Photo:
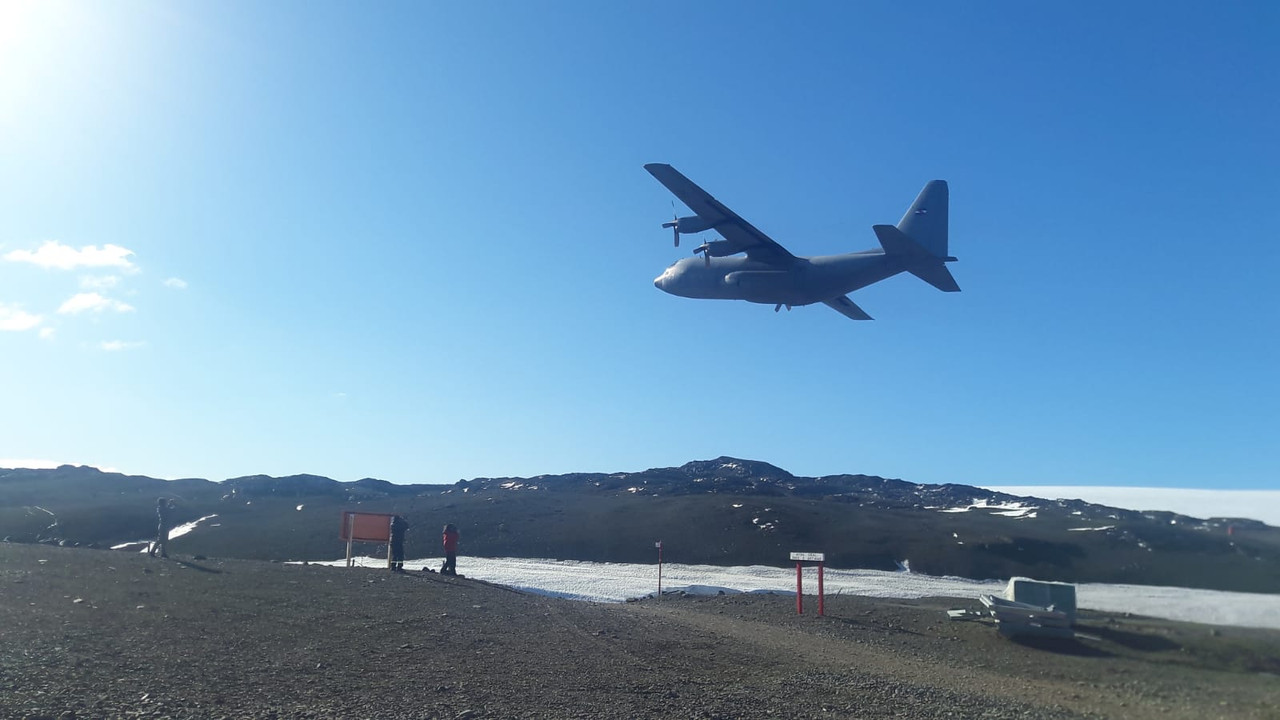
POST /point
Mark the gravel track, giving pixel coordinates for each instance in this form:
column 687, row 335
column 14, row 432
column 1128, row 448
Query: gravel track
column 98, row 634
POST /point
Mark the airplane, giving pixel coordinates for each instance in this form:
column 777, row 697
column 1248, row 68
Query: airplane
column 749, row 265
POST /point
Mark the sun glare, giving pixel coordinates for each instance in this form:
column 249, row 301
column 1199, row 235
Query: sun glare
column 26, row 25
column 31, row 33
column 55, row 53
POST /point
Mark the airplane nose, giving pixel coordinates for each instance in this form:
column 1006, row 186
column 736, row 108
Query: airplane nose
column 657, row 282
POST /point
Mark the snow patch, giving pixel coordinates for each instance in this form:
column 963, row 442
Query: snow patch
column 1009, row 509
column 188, row 527
column 178, row 531
column 616, row 582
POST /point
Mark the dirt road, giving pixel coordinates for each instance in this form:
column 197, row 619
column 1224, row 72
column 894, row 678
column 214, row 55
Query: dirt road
column 90, row 634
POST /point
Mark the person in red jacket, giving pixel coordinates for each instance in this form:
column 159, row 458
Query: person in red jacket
column 450, row 550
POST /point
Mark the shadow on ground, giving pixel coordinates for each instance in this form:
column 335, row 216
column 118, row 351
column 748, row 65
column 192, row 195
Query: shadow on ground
column 1143, row 642
column 1062, row 646
column 201, row 568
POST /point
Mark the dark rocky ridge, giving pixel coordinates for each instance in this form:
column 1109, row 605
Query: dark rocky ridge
column 722, row 511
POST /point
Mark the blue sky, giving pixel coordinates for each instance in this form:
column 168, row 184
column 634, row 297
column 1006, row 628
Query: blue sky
column 414, row 241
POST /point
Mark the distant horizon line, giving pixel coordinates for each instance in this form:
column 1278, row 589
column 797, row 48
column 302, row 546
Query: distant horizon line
column 1260, row 505
column 40, row 464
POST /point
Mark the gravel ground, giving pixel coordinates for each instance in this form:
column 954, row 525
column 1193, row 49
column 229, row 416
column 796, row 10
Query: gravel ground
column 98, row 634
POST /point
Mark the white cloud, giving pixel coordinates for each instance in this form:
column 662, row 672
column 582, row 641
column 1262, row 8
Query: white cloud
column 14, row 318
column 81, row 302
column 47, row 333
column 118, row 345
column 176, row 283
column 99, row 282
column 31, row 463
column 54, row 254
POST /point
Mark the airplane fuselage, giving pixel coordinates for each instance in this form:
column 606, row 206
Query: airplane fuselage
column 746, row 264
column 804, row 282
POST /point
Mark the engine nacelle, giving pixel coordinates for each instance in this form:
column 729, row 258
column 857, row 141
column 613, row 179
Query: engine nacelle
column 692, row 224
column 717, row 248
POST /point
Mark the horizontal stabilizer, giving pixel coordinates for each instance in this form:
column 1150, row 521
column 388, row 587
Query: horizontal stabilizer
column 920, row 262
column 896, row 242
column 936, row 275
column 847, row 308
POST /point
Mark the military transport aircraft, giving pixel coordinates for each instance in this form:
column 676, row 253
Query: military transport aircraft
column 770, row 275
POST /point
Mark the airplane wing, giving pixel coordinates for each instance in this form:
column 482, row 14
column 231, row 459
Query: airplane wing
column 847, row 308
column 742, row 234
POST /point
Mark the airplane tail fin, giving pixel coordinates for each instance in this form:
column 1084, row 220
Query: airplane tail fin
column 920, row 238
column 926, row 219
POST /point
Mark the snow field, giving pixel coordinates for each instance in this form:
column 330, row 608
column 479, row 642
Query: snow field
column 617, row 582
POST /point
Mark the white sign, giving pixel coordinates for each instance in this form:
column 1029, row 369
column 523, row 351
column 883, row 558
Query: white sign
column 810, row 557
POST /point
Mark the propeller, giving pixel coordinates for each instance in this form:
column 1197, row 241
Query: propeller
column 674, row 224
column 704, row 248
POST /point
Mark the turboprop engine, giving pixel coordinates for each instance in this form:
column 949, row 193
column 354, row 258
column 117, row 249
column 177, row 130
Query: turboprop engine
column 687, row 226
column 715, row 248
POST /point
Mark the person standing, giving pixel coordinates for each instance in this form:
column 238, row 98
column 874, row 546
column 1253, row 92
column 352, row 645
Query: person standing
column 164, row 523
column 398, row 528
column 450, row 539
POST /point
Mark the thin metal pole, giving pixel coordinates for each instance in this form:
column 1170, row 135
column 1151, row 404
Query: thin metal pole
column 659, row 569
column 351, row 521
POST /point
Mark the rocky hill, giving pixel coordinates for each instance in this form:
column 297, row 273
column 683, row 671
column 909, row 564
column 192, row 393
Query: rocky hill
column 723, row 511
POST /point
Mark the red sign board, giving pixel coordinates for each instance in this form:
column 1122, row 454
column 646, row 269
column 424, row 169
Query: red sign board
column 366, row 527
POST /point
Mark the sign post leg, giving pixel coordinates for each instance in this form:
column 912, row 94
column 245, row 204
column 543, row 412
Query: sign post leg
column 799, row 591
column 820, row 603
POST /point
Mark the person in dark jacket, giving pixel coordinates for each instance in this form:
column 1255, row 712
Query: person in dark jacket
column 398, row 528
column 450, row 540
column 164, row 523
